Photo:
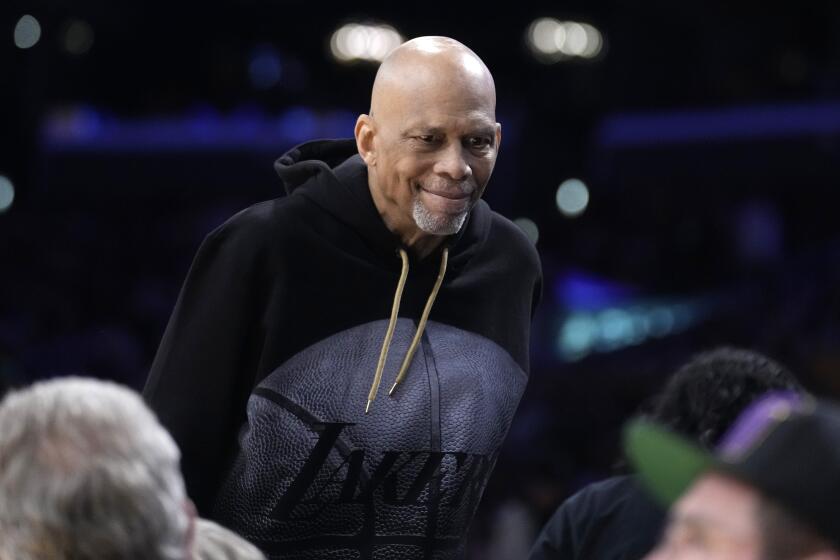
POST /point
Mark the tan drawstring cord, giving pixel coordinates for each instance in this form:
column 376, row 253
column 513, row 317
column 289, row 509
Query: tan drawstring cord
column 389, row 334
column 422, row 325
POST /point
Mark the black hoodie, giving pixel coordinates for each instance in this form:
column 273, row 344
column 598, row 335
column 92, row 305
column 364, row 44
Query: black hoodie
column 264, row 372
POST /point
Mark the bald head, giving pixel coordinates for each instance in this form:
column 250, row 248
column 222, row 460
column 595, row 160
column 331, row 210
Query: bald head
column 431, row 66
column 430, row 140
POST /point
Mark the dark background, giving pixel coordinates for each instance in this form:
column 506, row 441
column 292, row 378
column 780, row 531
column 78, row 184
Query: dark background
column 708, row 136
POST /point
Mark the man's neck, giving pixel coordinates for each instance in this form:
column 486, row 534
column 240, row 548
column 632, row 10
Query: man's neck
column 420, row 243
column 425, row 245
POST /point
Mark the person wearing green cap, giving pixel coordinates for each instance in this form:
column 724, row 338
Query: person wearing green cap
column 615, row 519
column 770, row 491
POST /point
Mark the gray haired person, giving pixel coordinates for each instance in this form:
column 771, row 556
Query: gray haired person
column 87, row 472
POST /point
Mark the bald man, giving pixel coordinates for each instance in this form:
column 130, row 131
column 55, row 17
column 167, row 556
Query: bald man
column 343, row 363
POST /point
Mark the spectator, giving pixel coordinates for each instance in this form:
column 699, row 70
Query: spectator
column 87, row 472
column 769, row 492
column 615, row 519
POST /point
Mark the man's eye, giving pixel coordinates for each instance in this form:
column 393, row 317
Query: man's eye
column 480, row 142
column 426, row 138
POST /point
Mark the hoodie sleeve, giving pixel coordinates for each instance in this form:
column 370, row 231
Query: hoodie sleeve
column 206, row 363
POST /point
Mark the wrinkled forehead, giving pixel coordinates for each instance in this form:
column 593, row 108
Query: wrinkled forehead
column 443, row 122
column 433, row 106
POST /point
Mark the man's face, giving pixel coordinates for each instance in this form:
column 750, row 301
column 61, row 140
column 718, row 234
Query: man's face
column 716, row 519
column 435, row 154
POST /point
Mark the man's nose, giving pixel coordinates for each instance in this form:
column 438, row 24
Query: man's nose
column 453, row 163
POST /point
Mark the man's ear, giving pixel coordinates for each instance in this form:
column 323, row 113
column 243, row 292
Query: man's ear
column 498, row 136
column 365, row 132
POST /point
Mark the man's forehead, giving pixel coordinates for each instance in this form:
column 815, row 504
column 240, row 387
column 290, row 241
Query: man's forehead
column 439, row 121
column 702, row 519
column 719, row 502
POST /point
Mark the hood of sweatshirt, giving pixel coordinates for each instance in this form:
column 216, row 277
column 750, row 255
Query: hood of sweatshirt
column 332, row 174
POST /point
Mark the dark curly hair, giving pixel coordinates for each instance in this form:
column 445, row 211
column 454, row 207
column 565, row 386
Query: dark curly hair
column 706, row 395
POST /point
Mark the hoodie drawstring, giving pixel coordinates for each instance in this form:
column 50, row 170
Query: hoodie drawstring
column 422, row 325
column 389, row 334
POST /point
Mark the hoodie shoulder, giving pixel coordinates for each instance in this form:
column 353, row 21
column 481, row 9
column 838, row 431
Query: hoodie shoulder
column 266, row 219
column 248, row 225
column 521, row 259
column 257, row 232
column 508, row 239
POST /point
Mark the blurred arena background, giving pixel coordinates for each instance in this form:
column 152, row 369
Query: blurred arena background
column 676, row 163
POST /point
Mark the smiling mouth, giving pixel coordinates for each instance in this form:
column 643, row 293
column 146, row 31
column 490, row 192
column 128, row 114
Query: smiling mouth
column 445, row 202
column 457, row 195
